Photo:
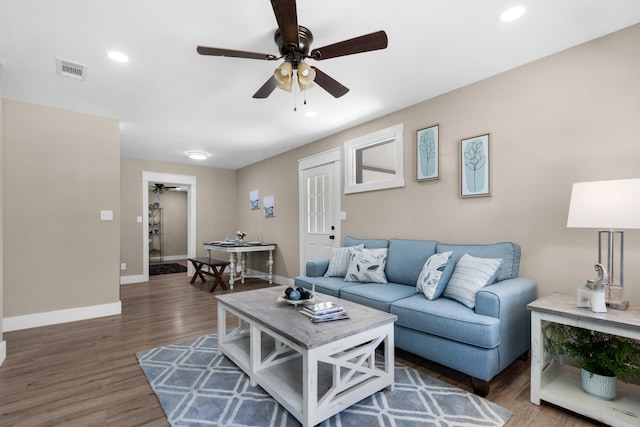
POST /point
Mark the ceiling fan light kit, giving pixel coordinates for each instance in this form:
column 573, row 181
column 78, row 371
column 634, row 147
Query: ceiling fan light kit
column 284, row 76
column 294, row 44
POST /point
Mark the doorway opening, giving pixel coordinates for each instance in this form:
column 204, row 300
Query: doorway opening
column 186, row 181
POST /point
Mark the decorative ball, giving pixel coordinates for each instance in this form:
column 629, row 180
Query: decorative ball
column 288, row 291
column 305, row 294
column 294, row 295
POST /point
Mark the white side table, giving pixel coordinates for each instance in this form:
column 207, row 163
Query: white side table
column 560, row 384
column 243, row 248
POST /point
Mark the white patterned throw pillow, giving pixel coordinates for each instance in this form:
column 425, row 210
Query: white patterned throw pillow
column 339, row 261
column 366, row 265
column 434, row 275
column 469, row 276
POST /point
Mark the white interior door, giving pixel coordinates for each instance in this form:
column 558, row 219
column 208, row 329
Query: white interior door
column 319, row 206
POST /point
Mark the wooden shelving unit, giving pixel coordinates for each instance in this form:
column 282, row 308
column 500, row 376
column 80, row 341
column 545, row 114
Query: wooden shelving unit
column 155, row 234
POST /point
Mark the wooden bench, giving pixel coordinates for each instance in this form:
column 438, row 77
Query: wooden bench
column 216, row 265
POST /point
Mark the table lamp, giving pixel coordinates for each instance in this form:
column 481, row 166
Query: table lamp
column 609, row 206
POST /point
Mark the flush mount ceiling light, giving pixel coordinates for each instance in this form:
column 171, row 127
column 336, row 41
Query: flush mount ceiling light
column 512, row 14
column 197, row 155
column 118, row 56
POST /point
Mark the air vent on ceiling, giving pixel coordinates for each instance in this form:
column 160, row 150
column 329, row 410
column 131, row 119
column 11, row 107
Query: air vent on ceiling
column 71, row 69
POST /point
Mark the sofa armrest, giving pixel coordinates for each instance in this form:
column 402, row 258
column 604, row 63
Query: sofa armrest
column 501, row 298
column 507, row 300
column 317, row 268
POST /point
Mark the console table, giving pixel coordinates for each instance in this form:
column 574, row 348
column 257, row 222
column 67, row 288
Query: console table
column 560, row 384
column 233, row 249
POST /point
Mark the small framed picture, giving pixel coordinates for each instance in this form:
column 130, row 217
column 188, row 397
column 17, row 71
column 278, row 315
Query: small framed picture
column 475, row 177
column 269, row 206
column 254, row 199
column 428, row 153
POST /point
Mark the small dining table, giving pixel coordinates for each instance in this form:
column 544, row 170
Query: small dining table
column 233, row 249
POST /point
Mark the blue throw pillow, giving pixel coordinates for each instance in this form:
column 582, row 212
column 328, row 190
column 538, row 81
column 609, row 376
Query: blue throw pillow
column 434, row 275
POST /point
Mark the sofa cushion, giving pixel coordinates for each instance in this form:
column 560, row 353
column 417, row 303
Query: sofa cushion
column 507, row 251
column 434, row 275
column 469, row 276
column 366, row 265
column 377, row 295
column 368, row 243
column 324, row 285
column 406, row 259
column 339, row 261
column 448, row 319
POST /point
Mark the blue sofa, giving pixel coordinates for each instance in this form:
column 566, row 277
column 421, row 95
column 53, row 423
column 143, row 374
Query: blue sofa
column 479, row 342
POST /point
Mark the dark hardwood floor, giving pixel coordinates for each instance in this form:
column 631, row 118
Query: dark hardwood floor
column 86, row 373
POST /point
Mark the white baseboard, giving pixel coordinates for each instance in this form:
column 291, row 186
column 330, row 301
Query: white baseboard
column 277, row 280
column 283, row 281
column 3, row 351
column 136, row 278
column 27, row 321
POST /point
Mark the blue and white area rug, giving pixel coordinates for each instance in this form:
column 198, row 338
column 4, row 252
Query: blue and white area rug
column 196, row 386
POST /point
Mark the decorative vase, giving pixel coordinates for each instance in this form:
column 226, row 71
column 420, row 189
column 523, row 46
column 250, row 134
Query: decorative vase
column 598, row 385
column 239, row 241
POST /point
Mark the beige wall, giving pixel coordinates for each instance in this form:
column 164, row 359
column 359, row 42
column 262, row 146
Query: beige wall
column 276, row 177
column 567, row 118
column 215, row 211
column 61, row 169
column 174, row 221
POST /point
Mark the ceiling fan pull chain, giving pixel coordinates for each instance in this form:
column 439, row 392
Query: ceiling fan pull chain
column 295, row 100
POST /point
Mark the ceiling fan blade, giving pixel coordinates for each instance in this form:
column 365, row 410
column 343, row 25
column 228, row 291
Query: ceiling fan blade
column 329, row 84
column 287, row 17
column 266, row 88
column 366, row 43
column 216, row 51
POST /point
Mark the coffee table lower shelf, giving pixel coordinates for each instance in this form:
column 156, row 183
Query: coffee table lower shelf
column 312, row 384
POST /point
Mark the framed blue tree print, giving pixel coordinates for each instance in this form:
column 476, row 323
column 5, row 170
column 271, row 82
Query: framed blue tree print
column 428, row 153
column 475, row 177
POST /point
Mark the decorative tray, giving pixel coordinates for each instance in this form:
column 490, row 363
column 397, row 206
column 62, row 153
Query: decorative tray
column 282, row 299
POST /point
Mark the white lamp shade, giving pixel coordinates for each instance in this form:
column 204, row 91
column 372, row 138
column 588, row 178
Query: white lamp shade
column 605, row 204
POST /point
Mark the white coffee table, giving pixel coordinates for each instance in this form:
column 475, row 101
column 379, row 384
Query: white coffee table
column 314, row 370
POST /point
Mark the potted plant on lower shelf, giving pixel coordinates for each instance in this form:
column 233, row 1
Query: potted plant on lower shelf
column 603, row 357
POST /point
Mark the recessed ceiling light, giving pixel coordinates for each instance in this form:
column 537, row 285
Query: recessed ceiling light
column 310, row 114
column 197, row 155
column 118, row 56
column 512, row 14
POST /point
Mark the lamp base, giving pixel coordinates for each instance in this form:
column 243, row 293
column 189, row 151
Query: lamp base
column 618, row 305
column 614, row 297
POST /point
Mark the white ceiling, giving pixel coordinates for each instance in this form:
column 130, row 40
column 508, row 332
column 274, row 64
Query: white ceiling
column 170, row 100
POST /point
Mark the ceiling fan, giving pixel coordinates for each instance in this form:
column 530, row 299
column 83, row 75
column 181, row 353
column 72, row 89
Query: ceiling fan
column 294, row 43
column 160, row 188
